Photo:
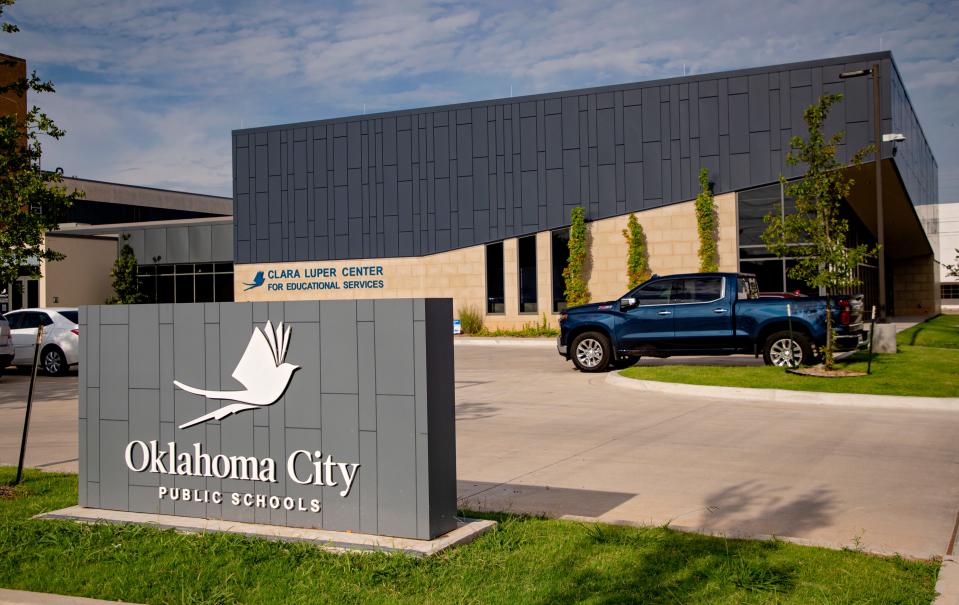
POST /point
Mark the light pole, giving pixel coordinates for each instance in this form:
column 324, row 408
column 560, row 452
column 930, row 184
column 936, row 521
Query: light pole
column 877, row 153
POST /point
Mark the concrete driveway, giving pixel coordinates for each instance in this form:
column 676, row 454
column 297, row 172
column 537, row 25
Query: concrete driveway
column 535, row 436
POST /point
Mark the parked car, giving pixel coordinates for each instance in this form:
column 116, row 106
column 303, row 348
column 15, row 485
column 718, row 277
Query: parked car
column 705, row 314
column 6, row 345
column 61, row 336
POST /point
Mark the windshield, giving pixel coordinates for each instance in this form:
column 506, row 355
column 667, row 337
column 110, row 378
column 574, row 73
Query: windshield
column 72, row 316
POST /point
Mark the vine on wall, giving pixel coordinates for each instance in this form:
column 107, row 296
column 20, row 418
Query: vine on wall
column 637, row 254
column 577, row 291
column 707, row 223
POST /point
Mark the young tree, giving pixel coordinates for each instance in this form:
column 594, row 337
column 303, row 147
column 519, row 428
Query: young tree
column 31, row 200
column 125, row 286
column 816, row 233
column 954, row 268
column 577, row 291
column 708, row 225
column 637, row 255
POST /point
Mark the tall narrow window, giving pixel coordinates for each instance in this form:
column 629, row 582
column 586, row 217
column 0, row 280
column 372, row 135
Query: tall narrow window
column 495, row 301
column 559, row 255
column 527, row 274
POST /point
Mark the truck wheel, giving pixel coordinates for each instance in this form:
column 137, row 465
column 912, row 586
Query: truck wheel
column 591, row 352
column 54, row 362
column 625, row 361
column 787, row 350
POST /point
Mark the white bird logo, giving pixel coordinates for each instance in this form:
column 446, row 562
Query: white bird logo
column 261, row 370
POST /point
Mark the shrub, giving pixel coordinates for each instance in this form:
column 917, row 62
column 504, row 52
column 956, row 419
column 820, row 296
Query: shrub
column 125, row 286
column 637, row 254
column 577, row 291
column 708, row 225
column 471, row 320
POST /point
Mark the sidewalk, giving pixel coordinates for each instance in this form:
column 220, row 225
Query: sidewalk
column 17, row 597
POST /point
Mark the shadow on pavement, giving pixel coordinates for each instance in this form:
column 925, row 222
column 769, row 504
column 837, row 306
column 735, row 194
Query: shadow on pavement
column 752, row 508
column 536, row 499
column 14, row 387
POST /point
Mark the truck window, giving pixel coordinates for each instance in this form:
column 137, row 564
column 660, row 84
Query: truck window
column 656, row 293
column 747, row 288
column 699, row 289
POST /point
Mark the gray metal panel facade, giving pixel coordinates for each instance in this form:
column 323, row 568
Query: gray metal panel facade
column 423, row 181
column 375, row 386
column 184, row 243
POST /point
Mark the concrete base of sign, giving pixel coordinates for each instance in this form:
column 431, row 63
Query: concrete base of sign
column 884, row 340
column 466, row 531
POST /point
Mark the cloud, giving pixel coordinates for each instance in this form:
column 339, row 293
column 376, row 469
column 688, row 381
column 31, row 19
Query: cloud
column 166, row 80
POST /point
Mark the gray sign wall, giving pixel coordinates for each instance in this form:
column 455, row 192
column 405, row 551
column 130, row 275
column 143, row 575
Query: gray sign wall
column 423, row 181
column 374, row 387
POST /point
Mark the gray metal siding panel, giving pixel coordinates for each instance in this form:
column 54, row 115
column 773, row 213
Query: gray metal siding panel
column 735, row 124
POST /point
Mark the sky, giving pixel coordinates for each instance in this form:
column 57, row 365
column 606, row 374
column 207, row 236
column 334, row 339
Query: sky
column 148, row 91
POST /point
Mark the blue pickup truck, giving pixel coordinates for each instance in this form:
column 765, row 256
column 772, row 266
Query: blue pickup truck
column 704, row 314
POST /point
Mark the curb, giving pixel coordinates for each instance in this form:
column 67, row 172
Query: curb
column 512, row 341
column 895, row 402
column 947, row 586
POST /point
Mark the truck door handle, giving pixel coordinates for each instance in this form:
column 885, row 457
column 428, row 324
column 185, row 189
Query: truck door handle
column 665, row 313
column 719, row 310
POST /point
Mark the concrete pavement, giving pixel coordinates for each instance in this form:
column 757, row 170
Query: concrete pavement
column 535, row 436
column 52, row 443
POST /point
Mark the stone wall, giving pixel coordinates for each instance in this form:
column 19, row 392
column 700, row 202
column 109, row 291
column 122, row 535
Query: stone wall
column 461, row 274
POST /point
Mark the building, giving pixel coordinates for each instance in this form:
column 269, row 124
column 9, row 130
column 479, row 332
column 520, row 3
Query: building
column 473, row 200
column 92, row 233
column 948, row 254
column 93, row 228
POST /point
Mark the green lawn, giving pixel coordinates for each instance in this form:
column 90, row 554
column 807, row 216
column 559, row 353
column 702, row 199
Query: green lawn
column 925, row 366
column 942, row 332
column 525, row 560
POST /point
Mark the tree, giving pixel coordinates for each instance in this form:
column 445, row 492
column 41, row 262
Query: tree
column 32, row 201
column 577, row 291
column 954, row 268
column 708, row 225
column 816, row 233
column 637, row 255
column 126, row 290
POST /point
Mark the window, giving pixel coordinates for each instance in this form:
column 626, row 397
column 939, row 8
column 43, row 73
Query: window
column 14, row 319
column 654, row 293
column 71, row 316
column 527, row 274
column 949, row 290
column 559, row 255
column 495, row 297
column 772, row 272
column 748, row 289
column 700, row 290
column 186, row 283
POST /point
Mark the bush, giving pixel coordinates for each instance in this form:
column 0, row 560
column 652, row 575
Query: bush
column 637, row 255
column 471, row 320
column 577, row 291
column 708, row 225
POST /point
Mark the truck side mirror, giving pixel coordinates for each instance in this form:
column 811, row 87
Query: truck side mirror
column 626, row 303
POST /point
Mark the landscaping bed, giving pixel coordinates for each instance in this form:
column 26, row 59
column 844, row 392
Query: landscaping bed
column 925, row 366
column 524, row 560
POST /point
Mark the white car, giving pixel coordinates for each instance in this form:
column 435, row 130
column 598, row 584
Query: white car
column 6, row 345
column 61, row 338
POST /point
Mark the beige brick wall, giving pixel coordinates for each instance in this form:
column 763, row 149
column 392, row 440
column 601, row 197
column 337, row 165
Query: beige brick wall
column 461, row 274
column 915, row 286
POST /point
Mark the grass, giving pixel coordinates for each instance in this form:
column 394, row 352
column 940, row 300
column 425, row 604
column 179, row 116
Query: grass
column 524, row 560
column 924, row 366
column 942, row 332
